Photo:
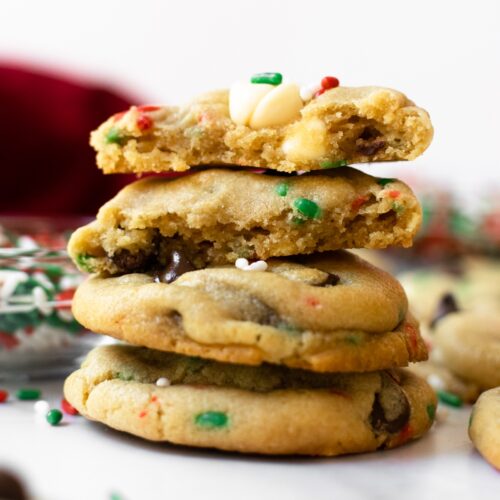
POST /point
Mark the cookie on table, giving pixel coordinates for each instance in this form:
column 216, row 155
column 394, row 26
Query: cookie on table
column 216, row 216
column 322, row 312
column 469, row 345
column 275, row 126
column 268, row 409
column 484, row 426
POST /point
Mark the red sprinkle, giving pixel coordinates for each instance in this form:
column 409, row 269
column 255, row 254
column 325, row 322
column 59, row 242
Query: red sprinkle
column 154, row 399
column 3, row 396
column 144, row 122
column 393, row 194
column 359, row 202
column 405, row 434
column 68, row 408
column 313, row 302
column 119, row 116
column 143, row 413
column 147, row 108
column 8, row 340
column 329, row 82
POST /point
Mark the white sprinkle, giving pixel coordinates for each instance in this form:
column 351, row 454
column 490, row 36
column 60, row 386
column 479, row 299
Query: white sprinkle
column 260, row 265
column 436, row 382
column 241, row 263
column 163, row 382
column 41, row 407
column 307, row 91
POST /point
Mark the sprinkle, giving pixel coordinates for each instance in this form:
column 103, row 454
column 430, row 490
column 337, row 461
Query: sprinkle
column 4, row 395
column 313, row 302
column 333, row 164
column 28, row 394
column 41, row 407
column 241, row 263
column 405, row 434
column 54, row 416
column 307, row 208
column 329, row 82
column 211, row 419
column 431, row 411
column 281, row 189
column 144, row 122
column 68, row 408
column 270, row 78
column 143, row 413
column 449, row 398
column 260, row 265
column 83, row 262
column 384, row 181
column 163, row 382
column 114, row 136
column 147, row 108
column 436, row 382
column 393, row 194
column 359, row 202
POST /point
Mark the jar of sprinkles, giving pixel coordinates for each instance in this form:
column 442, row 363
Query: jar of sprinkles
column 38, row 333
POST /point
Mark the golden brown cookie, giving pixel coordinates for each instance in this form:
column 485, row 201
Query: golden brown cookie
column 323, row 312
column 267, row 409
column 217, row 216
column 484, row 426
column 343, row 125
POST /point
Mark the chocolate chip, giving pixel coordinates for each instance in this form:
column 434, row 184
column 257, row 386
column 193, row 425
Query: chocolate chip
column 446, row 305
column 127, row 261
column 178, row 265
column 370, row 148
column 369, row 133
column 391, row 410
column 11, row 487
column 331, row 280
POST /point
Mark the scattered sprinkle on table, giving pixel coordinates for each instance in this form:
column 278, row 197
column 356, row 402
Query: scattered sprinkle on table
column 54, row 416
column 4, row 395
column 449, row 398
column 41, row 407
column 68, row 408
column 28, row 394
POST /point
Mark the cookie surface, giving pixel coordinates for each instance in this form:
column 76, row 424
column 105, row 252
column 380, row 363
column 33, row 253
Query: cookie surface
column 270, row 410
column 217, row 216
column 324, row 312
column 469, row 343
column 484, row 428
column 353, row 125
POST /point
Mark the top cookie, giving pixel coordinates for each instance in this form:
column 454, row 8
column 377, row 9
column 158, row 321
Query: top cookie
column 266, row 126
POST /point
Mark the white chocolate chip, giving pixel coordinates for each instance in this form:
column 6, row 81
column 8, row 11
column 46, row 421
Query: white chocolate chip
column 307, row 91
column 163, row 382
column 260, row 265
column 279, row 107
column 243, row 99
column 241, row 263
column 306, row 141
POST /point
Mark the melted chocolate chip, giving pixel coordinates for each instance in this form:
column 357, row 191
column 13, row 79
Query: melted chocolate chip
column 331, row 280
column 127, row 261
column 178, row 265
column 10, row 487
column 369, row 133
column 446, row 305
column 390, row 411
column 370, row 148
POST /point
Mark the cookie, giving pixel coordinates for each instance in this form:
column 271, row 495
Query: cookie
column 469, row 344
column 268, row 409
column 217, row 216
column 343, row 125
column 323, row 312
column 484, row 426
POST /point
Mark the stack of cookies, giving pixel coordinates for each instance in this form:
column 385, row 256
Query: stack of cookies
column 248, row 325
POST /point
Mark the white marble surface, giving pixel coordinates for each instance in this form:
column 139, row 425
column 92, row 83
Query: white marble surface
column 83, row 460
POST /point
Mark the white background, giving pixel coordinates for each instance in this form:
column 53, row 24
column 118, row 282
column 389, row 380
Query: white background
column 444, row 54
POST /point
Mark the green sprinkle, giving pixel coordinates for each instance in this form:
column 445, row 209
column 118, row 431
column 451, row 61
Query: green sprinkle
column 449, row 398
column 114, row 136
column 126, row 377
column 282, row 189
column 307, row 208
column 333, row 164
column 270, row 78
column 384, row 181
column 211, row 419
column 83, row 262
column 28, row 394
column 431, row 411
column 399, row 209
column 54, row 416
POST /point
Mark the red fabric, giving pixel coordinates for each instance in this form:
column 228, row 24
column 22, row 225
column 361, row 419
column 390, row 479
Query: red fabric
column 47, row 166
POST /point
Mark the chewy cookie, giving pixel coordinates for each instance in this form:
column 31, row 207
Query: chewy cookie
column 217, row 216
column 270, row 410
column 322, row 312
column 265, row 125
column 484, row 426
